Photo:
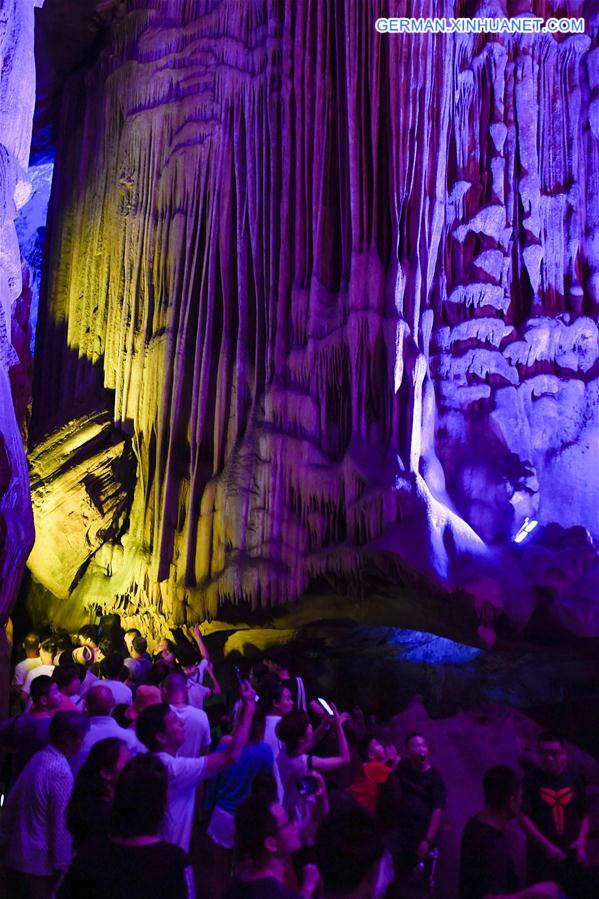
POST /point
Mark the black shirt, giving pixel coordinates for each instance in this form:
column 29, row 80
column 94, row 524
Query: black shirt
column 486, row 866
column 556, row 804
column 88, row 817
column 420, row 793
column 107, row 870
column 266, row 888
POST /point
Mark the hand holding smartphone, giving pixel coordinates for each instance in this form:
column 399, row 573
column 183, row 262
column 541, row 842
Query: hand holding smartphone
column 326, row 707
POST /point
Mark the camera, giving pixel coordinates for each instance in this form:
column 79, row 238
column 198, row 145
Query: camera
column 307, row 786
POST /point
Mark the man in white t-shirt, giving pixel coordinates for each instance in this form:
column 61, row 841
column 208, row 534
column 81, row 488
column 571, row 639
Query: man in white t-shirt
column 197, row 728
column 163, row 732
column 31, row 645
column 99, row 702
column 46, row 666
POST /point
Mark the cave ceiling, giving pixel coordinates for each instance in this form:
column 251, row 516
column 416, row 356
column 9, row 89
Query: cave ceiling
column 319, row 307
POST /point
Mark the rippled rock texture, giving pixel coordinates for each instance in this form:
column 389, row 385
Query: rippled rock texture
column 17, row 96
column 337, row 294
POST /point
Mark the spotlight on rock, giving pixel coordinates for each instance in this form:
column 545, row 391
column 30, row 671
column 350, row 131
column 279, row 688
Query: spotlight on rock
column 524, row 532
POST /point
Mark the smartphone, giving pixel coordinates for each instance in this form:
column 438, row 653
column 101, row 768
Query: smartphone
column 307, row 786
column 326, row 707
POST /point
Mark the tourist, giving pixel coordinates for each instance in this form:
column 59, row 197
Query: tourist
column 487, row 869
column 163, row 732
column 378, row 762
column 25, row 734
column 165, row 651
column 114, row 674
column 88, row 813
column 164, row 661
column 416, row 794
column 68, row 680
column 30, row 644
column 556, row 821
column 304, row 796
column 265, row 839
column 225, row 793
column 47, row 651
column 133, row 861
column 88, row 635
column 350, row 856
column 278, row 661
column 99, row 702
column 129, row 636
column 196, row 633
column 138, row 663
column 35, row 844
column 275, row 702
column 199, row 693
column 197, row 728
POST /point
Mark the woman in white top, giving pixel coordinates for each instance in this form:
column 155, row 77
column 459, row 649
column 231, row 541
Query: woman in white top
column 304, row 796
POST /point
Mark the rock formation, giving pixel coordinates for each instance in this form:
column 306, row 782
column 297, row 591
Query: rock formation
column 17, row 96
column 321, row 303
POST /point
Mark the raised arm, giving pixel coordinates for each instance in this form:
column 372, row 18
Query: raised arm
column 216, row 688
column 342, row 757
column 197, row 636
column 217, row 761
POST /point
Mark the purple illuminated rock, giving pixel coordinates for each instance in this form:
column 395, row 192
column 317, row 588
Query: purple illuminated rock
column 340, row 290
column 17, row 84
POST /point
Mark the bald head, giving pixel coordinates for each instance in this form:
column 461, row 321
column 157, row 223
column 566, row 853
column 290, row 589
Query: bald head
column 145, row 696
column 99, row 701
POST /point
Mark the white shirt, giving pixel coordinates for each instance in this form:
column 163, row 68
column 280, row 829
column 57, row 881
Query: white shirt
column 291, row 769
column 33, row 825
column 197, row 694
column 120, row 691
column 90, row 680
column 198, row 676
column 197, row 731
column 183, row 777
column 100, row 728
column 275, row 744
column 36, row 672
column 301, row 808
column 23, row 669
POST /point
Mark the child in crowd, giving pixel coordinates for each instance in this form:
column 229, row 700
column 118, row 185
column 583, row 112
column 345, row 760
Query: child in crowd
column 378, row 763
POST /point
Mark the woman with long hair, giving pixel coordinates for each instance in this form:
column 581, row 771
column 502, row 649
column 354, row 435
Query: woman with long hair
column 133, row 861
column 88, row 813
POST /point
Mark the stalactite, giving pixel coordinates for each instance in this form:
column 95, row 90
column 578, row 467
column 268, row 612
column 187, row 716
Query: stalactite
column 300, row 264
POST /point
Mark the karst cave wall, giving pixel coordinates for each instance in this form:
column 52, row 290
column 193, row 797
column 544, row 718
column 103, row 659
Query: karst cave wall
column 17, row 96
column 320, row 303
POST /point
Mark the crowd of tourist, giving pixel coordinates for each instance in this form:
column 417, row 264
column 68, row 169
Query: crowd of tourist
column 119, row 784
